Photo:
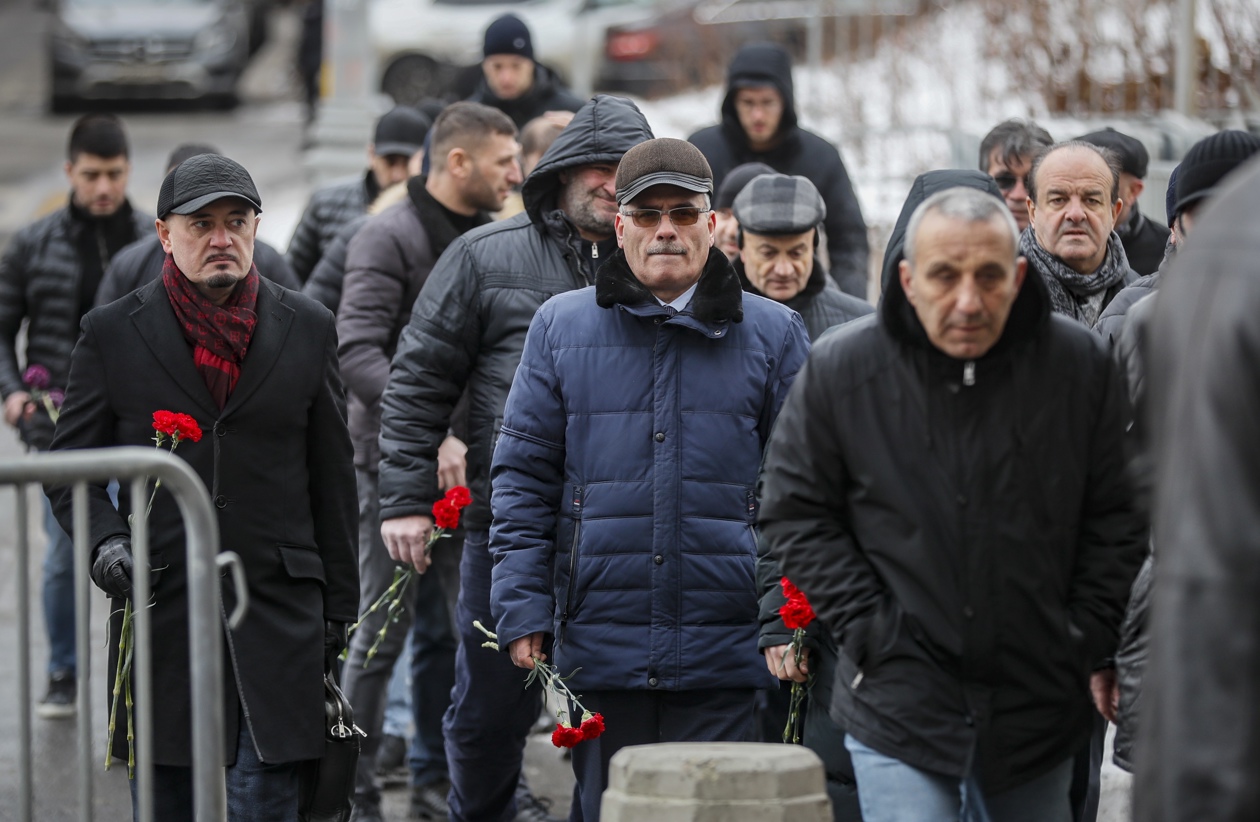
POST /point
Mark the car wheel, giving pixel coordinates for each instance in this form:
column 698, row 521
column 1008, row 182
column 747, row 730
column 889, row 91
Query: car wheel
column 412, row 78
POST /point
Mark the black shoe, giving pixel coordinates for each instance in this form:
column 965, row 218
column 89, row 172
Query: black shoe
column 530, row 808
column 391, row 755
column 59, row 702
column 429, row 801
column 366, row 812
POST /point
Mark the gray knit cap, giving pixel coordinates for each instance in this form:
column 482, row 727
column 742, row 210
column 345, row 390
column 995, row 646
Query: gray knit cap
column 779, row 204
column 663, row 161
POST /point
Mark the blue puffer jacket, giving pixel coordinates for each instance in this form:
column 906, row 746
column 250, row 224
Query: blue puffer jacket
column 624, row 481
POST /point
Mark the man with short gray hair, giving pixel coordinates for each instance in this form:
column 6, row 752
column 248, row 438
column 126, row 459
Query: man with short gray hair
column 946, row 485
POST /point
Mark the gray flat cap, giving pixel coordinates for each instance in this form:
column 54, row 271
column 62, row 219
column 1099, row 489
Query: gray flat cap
column 779, row 204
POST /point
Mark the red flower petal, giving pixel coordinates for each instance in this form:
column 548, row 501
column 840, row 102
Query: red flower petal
column 459, row 496
column 445, row 514
column 565, row 737
column 592, row 726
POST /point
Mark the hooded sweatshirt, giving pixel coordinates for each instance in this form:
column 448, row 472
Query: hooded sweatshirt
column 796, row 151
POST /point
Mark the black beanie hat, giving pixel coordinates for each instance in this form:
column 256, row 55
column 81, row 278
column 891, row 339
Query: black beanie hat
column 1209, row 161
column 508, row 35
column 1134, row 157
column 1170, row 197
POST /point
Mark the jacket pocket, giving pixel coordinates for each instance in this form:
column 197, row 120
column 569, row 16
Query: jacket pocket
column 302, row 563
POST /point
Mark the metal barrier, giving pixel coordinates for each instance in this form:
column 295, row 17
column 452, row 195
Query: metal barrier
column 205, row 637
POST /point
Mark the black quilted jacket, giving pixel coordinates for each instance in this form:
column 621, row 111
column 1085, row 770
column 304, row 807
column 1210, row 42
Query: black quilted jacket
column 467, row 330
column 39, row 282
column 328, row 210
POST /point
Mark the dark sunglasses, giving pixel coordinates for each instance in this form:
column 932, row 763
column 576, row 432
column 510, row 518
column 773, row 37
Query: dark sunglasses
column 651, row 217
column 1006, row 181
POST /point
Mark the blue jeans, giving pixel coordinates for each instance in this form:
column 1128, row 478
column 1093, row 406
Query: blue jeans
column 892, row 791
column 256, row 791
column 491, row 711
column 58, row 594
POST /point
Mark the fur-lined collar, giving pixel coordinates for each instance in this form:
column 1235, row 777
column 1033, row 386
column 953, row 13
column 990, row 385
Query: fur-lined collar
column 718, row 298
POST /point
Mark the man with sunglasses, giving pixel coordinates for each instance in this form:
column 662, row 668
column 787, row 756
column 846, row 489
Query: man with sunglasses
column 624, row 478
column 1006, row 155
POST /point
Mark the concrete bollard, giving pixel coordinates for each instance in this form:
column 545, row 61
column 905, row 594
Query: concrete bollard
column 716, row 782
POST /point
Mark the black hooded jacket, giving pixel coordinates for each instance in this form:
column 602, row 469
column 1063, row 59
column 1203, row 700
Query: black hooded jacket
column 467, row 329
column 546, row 94
column 798, row 151
column 966, row 531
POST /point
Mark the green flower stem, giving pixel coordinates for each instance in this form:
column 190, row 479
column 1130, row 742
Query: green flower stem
column 120, row 673
column 392, row 599
column 402, row 576
column 795, row 723
column 391, row 616
column 131, row 727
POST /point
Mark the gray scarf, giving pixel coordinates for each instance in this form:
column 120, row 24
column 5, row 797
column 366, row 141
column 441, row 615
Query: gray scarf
column 1070, row 292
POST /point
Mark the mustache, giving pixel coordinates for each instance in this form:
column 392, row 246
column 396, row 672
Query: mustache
column 222, row 258
column 667, row 248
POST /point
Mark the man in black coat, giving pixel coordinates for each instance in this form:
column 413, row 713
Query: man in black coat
column 1197, row 755
column 946, row 485
column 759, row 125
column 399, row 134
column 49, row 276
column 256, row 366
column 465, row 338
column 142, row 261
column 513, row 81
column 474, row 168
column 780, row 218
column 1144, row 239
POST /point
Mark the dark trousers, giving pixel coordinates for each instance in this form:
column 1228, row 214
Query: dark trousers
column 366, row 682
column 1087, row 774
column 256, row 791
column 647, row 717
column 491, row 711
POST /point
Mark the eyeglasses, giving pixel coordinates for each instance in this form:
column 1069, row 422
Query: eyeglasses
column 1006, row 181
column 651, row 217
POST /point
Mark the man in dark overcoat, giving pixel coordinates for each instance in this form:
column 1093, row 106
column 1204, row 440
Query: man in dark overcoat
column 256, row 366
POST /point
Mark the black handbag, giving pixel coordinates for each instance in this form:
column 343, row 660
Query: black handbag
column 327, row 783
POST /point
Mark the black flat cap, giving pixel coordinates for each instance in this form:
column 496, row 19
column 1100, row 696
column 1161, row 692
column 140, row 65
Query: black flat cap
column 663, row 161
column 1134, row 157
column 735, row 180
column 200, row 180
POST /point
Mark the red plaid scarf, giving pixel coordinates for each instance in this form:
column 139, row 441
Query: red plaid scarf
column 219, row 334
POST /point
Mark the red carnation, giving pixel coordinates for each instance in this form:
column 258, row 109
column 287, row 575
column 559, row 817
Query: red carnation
column 565, row 737
column 592, row 726
column 796, row 613
column 187, row 428
column 180, row 426
column 459, row 496
column 445, row 514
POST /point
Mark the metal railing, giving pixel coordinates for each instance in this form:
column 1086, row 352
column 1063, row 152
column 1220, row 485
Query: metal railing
column 205, row 637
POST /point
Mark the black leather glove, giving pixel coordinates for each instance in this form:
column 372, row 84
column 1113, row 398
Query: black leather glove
column 112, row 568
column 334, row 643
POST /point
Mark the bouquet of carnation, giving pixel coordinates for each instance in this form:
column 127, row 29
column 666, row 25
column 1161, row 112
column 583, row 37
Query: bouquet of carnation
column 796, row 614
column 446, row 512
column 39, row 383
column 175, row 428
column 566, row 734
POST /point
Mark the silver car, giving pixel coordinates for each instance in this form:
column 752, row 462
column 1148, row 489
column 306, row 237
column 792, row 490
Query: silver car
column 145, row 49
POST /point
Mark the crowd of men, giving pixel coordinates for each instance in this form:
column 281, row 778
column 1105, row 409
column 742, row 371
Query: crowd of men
column 652, row 362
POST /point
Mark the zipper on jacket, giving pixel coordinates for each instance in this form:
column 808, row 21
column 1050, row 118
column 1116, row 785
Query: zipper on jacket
column 969, row 372
column 573, row 553
column 594, row 251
